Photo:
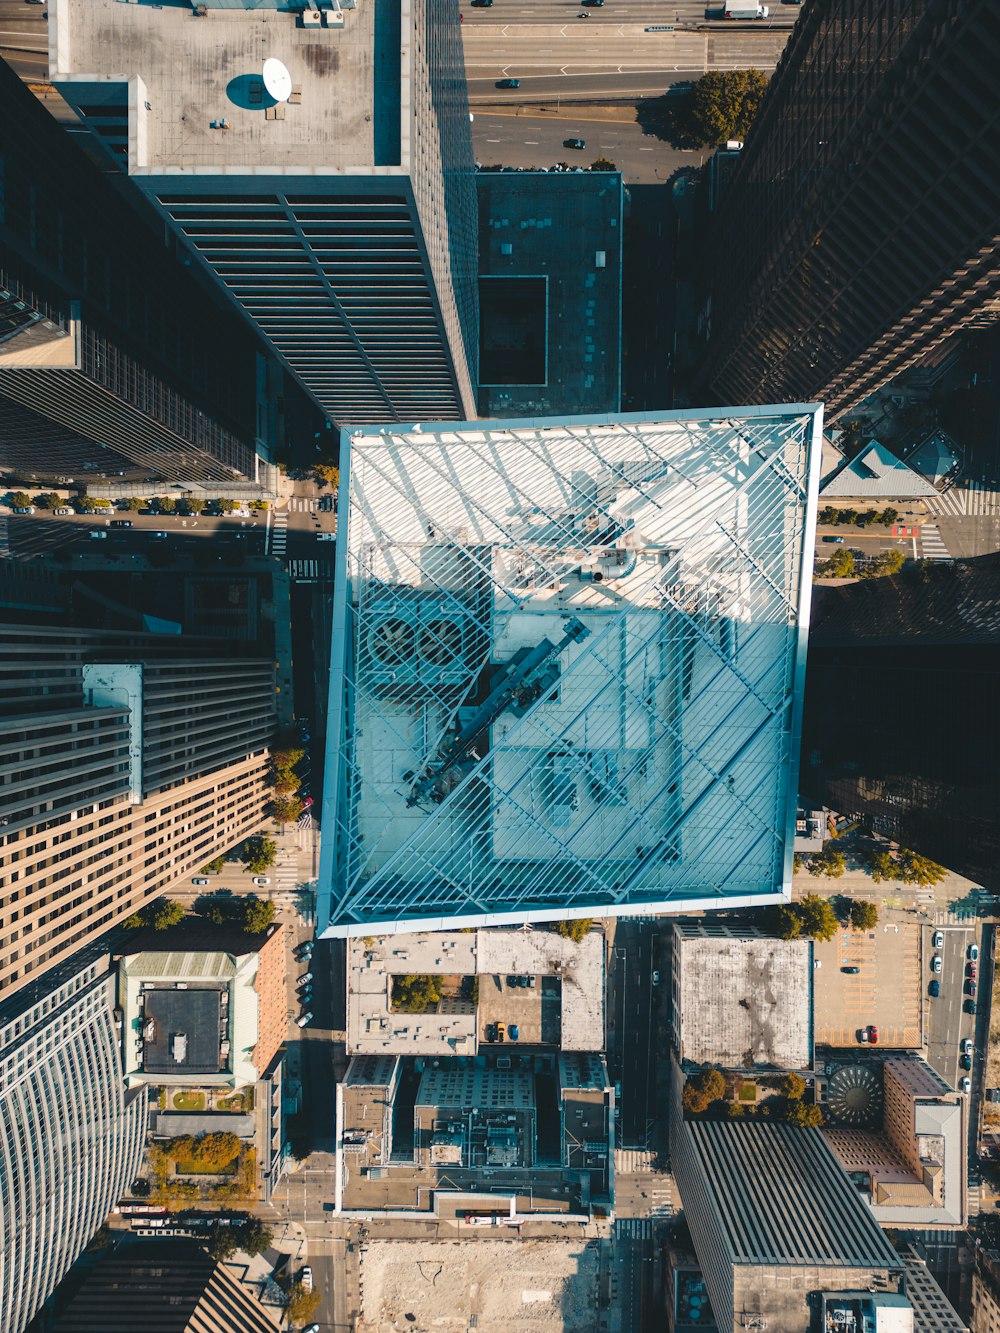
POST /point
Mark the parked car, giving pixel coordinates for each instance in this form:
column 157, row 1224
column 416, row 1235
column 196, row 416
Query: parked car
column 965, row 1084
column 835, row 541
column 574, row 143
column 200, row 880
column 970, row 1006
column 306, row 976
column 966, row 1062
column 326, row 536
column 307, row 802
column 936, row 963
column 62, row 510
column 514, row 1032
column 935, row 988
column 970, row 969
column 304, row 1020
column 261, row 881
column 970, row 986
column 974, row 952
column 967, row 1046
column 306, row 1277
column 507, row 83
column 863, row 1035
column 501, row 1031
column 851, row 971
column 592, row 4
column 938, row 939
column 24, row 509
column 121, row 522
column 531, row 983
column 873, row 1034
column 482, row 4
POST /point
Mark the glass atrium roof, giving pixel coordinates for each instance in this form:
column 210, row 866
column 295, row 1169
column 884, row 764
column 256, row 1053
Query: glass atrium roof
column 567, row 667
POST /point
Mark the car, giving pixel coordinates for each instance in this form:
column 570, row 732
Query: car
column 158, row 536
column 966, row 1061
column 512, row 981
column 970, row 969
column 306, row 1277
column 531, row 983
column 936, row 963
column 96, row 536
column 970, row 1006
column 326, row 536
column 965, row 1084
column 62, row 510
column 507, row 83
column 304, row 1020
column 935, row 988
column 261, row 881
column 121, row 522
column 501, row 1031
column 24, row 509
column 491, row 1031
column 307, row 802
column 306, row 976
column 514, row 1033
column 863, row 1035
column 583, row 14
column 574, row 143
column 873, row 1034
column 656, row 977
column 311, row 1328
column 200, row 880
column 970, row 986
column 834, row 541
column 482, row 4
column 966, row 1045
column 305, row 996
column 851, row 971
column 938, row 939
column 593, row 4
column 974, row 952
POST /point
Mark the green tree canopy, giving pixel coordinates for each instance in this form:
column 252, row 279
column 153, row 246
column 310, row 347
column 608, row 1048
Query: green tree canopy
column 920, row 869
column 133, row 504
column 416, row 994
column 882, row 866
column 301, row 1304
column 829, row 863
column 286, row 809
column 819, row 920
column 258, row 914
column 724, row 104
column 576, row 930
column 255, row 1236
column 327, row 473
column 793, row 1086
column 47, row 500
column 166, row 504
column 840, row 565
column 222, row 1243
column 259, row 854
column 226, row 506
column 864, row 915
column 214, row 866
column 886, row 562
column 165, row 914
column 20, row 500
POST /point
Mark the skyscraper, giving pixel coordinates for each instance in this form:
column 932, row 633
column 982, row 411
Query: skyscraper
column 335, row 201
column 859, row 230
column 71, row 1138
column 114, row 358
column 122, row 770
column 566, row 667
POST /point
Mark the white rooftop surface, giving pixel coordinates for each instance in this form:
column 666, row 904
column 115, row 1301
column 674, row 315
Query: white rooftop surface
column 372, row 1028
column 740, row 997
column 196, row 70
column 655, row 572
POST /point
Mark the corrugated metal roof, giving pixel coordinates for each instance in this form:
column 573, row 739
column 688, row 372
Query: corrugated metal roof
column 876, row 471
column 783, row 1198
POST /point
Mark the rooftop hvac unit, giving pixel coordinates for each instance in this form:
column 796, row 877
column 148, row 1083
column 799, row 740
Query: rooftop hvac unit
column 312, row 18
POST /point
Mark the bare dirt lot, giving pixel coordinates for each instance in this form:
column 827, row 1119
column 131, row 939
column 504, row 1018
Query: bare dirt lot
column 515, row 1286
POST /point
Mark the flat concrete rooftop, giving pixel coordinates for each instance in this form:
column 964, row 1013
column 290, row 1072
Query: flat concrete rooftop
column 187, row 72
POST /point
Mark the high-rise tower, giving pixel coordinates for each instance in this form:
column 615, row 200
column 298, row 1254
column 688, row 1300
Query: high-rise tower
column 333, row 198
column 859, row 231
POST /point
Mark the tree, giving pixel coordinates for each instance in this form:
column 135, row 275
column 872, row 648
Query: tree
column 255, row 1236
column 85, row 504
column 819, row 921
column 222, row 1244
column 713, row 1084
column 803, row 1115
column 259, row 504
column 286, row 809
column 793, row 1086
column 787, row 922
column 47, row 500
column 829, row 863
column 692, row 1098
column 213, row 867
column 226, row 506
column 702, row 1089
column 864, row 915
column 258, row 914
column 259, row 854
column 882, row 866
column 166, row 504
column 724, row 104
column 886, row 562
column 216, row 907
column 20, row 500
column 301, row 1304
column 603, row 164
column 839, row 566
column 575, row 930
column 919, row 869
column 327, row 473
column 285, row 757
column 888, row 515
column 133, row 504
column 416, row 994
column 165, row 913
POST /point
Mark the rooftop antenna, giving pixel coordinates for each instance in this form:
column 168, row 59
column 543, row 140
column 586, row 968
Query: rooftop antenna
column 277, row 80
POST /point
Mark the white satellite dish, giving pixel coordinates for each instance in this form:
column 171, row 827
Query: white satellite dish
column 277, row 80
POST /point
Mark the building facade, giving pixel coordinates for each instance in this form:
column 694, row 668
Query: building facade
column 115, row 360
column 71, row 1138
column 985, row 1317
column 342, row 217
column 110, row 788
column 858, row 232
column 567, row 665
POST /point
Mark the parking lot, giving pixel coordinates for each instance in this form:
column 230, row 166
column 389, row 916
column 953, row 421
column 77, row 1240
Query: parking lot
column 532, row 1010
column 886, row 990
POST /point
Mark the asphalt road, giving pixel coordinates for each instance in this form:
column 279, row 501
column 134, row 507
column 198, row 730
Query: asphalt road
column 630, row 1019
column 686, row 13
column 24, row 39
column 948, row 1023
column 537, row 140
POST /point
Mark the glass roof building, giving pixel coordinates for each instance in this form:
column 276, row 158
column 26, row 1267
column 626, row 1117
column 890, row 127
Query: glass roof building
column 567, row 667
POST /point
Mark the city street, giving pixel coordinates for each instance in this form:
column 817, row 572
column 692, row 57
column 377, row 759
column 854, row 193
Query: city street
column 631, row 1012
column 686, row 13
column 948, row 1023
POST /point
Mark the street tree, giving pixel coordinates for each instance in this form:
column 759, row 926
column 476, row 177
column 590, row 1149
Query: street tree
column 166, row 504
column 255, row 1236
column 133, row 504
column 214, row 866
column 793, row 1086
column 829, row 863
column 841, row 565
column 918, row 869
column 864, row 915
column 259, row 854
column 286, row 809
column 20, row 500
column 328, row 474
column 724, row 104
column 226, row 506
column 165, row 913
column 258, row 914
column 222, row 1243
column 47, row 500
column 804, row 1115
column 882, row 866
column 301, row 1304
column 819, row 921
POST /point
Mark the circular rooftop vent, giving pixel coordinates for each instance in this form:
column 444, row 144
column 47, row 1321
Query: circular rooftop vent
column 392, row 641
column 441, row 642
column 854, row 1096
column 277, row 80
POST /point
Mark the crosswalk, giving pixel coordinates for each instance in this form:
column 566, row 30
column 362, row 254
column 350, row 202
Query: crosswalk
column 279, row 533
column 662, row 1195
column 931, row 545
column 962, row 501
column 975, row 1202
column 4, row 538
column 633, row 1162
column 302, row 504
column 308, row 569
column 635, row 1228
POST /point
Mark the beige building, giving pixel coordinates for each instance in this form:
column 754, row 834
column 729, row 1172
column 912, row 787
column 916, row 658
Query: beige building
column 986, row 1293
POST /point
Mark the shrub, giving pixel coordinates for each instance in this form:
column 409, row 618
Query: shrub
column 226, row 506
column 416, row 994
column 133, row 504
column 259, row 504
column 575, row 930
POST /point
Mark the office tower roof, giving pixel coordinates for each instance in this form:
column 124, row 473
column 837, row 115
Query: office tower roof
column 572, row 652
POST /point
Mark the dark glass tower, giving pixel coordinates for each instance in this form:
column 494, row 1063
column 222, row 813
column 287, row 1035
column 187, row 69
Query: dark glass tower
column 859, row 231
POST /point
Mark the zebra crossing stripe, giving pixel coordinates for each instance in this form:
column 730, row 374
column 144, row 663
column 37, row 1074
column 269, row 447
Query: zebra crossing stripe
column 931, row 545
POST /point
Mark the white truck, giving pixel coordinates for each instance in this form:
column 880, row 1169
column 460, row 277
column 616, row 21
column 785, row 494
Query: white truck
column 737, row 10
